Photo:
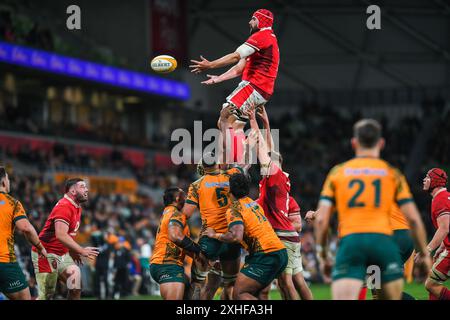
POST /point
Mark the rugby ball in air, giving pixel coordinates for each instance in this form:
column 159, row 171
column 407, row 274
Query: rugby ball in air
column 163, row 64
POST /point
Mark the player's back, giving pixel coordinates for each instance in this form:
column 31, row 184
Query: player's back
column 165, row 251
column 211, row 193
column 11, row 210
column 364, row 190
column 259, row 236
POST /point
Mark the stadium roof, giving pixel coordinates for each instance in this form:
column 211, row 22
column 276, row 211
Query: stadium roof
column 327, row 46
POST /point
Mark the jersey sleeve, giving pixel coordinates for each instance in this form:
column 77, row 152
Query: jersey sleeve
column 257, row 41
column 192, row 196
column 442, row 207
column 402, row 194
column 61, row 213
column 328, row 190
column 234, row 215
column 178, row 218
column 294, row 208
column 18, row 212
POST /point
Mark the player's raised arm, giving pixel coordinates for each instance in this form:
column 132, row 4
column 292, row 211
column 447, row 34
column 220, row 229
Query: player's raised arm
column 266, row 124
column 232, row 73
column 241, row 53
column 191, row 203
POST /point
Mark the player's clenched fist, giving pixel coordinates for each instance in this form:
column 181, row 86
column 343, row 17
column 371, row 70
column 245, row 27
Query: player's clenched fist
column 310, row 216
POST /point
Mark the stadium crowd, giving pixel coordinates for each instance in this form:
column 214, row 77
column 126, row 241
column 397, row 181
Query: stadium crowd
column 124, row 226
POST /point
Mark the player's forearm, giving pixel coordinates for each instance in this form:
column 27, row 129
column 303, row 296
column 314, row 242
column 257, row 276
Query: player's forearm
column 419, row 235
column 228, row 237
column 230, row 74
column 32, row 237
column 322, row 222
column 438, row 238
column 231, row 58
column 69, row 243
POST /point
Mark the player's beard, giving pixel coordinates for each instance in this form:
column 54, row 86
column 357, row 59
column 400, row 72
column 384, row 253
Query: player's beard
column 253, row 30
column 81, row 198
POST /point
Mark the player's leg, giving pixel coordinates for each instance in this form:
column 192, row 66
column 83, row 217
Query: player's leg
column 213, row 283
column 70, row 274
column 440, row 272
column 172, row 290
column 264, row 293
column 246, row 288
column 258, row 272
column 346, row 289
column 302, row 287
column 46, row 275
column 13, row 282
column 230, row 261
column 171, row 280
column 405, row 245
column 386, row 256
column 349, row 271
column 287, row 286
column 211, row 249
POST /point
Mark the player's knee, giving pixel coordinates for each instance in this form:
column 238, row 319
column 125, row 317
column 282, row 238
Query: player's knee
column 430, row 285
column 74, row 278
column 198, row 275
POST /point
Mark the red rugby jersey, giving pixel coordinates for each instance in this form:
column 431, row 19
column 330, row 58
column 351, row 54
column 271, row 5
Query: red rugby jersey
column 274, row 199
column 66, row 211
column 261, row 68
column 439, row 206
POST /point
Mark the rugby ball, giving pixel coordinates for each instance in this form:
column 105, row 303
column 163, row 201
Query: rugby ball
column 164, row 64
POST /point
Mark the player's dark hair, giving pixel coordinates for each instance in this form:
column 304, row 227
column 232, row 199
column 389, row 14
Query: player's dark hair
column 367, row 132
column 209, row 160
column 239, row 185
column 170, row 194
column 71, row 182
column 2, row 172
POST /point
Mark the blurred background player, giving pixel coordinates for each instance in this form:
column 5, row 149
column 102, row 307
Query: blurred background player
column 57, row 237
column 435, row 183
column 248, row 225
column 12, row 215
column 257, row 60
column 274, row 197
column 363, row 190
column 171, row 245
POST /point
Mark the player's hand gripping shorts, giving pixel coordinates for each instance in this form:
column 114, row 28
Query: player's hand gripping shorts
column 48, row 270
column 440, row 271
column 243, row 98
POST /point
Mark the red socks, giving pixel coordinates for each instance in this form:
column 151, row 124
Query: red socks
column 362, row 293
column 445, row 294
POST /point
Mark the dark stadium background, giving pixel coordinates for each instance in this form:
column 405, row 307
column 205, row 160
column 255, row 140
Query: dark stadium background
column 333, row 71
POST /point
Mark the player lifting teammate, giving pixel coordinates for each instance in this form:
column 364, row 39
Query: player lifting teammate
column 171, row 245
column 12, row 215
column 257, row 60
column 435, row 183
column 248, row 225
column 363, row 191
column 57, row 237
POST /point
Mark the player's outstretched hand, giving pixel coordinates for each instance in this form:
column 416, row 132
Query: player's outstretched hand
column 212, row 80
column 310, row 216
column 261, row 111
column 423, row 260
column 90, row 252
column 200, row 66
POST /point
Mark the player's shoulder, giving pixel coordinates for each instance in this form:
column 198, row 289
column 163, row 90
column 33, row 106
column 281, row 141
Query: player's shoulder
column 442, row 199
column 233, row 170
column 8, row 199
column 338, row 168
column 196, row 184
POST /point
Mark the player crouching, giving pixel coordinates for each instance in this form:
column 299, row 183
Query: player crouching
column 171, row 245
column 248, row 225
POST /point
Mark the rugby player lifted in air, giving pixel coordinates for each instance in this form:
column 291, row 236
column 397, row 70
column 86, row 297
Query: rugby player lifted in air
column 257, row 60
